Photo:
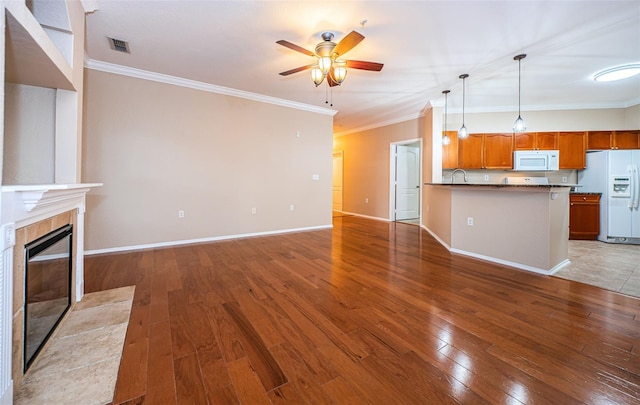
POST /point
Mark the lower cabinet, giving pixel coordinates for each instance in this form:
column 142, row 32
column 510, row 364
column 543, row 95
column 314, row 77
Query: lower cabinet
column 584, row 216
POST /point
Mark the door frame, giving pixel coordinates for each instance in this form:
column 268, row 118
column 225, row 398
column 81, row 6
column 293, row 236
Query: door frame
column 392, row 176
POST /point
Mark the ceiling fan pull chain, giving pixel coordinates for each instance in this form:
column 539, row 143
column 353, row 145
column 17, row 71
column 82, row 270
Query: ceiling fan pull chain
column 326, row 96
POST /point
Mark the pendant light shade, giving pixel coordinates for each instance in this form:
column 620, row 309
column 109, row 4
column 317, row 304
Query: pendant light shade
column 519, row 125
column 316, row 75
column 339, row 71
column 463, row 132
column 445, row 138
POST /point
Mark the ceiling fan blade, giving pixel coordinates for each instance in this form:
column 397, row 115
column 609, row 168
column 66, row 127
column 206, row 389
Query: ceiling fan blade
column 295, row 47
column 352, row 39
column 296, row 70
column 363, row 65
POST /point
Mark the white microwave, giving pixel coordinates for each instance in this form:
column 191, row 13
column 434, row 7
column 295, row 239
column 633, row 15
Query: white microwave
column 536, row 160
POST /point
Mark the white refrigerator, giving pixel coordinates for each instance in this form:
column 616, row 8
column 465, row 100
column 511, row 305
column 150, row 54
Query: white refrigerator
column 614, row 173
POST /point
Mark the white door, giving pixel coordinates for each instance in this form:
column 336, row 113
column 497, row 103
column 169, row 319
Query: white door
column 337, row 181
column 407, row 182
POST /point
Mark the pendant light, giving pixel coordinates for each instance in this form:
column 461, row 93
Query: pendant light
column 519, row 125
column 445, row 138
column 463, row 132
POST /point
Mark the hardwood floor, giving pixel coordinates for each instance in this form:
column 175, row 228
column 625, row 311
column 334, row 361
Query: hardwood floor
column 368, row 312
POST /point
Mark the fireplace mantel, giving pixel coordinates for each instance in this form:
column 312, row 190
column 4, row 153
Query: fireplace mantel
column 32, row 202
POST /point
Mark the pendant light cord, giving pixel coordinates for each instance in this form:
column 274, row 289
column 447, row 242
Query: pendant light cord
column 519, row 88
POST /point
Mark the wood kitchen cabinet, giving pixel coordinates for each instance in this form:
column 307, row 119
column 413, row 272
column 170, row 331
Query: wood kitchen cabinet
column 600, row 140
column 450, row 152
column 498, row 151
column 584, row 216
column 470, row 152
column 573, row 150
column 486, row 151
column 536, row 141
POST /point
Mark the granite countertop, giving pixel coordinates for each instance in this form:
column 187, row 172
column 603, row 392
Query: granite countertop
column 502, row 185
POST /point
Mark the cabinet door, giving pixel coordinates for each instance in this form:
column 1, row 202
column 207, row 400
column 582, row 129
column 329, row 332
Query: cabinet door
column 626, row 140
column 470, row 152
column 547, row 140
column 450, row 152
column 524, row 141
column 584, row 216
column 572, row 147
column 599, row 140
column 498, row 151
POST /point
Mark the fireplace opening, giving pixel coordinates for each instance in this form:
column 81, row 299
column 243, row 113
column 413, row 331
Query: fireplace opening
column 48, row 266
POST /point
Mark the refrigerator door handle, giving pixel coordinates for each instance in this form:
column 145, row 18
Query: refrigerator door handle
column 636, row 186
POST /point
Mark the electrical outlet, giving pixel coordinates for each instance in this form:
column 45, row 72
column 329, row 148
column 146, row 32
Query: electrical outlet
column 292, row 207
column 315, row 177
column 470, row 221
column 564, row 179
column 297, row 134
column 180, row 214
column 366, row 201
column 253, row 211
column 486, row 177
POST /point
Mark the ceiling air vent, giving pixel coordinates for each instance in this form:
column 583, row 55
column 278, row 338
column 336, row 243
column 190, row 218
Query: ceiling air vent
column 119, row 45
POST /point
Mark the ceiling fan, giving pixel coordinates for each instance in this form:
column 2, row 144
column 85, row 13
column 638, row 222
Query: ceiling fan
column 327, row 63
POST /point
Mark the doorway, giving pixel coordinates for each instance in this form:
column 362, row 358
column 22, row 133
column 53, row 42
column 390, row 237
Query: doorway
column 338, row 162
column 405, row 177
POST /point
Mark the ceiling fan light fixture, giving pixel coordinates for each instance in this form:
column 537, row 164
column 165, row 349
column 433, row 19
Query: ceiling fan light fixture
column 324, row 63
column 617, row 73
column 316, row 75
column 519, row 124
column 339, row 72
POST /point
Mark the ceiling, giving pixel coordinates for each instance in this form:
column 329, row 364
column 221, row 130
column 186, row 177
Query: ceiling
column 424, row 45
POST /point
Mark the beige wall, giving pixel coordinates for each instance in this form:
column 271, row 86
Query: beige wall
column 366, row 166
column 560, row 120
column 160, row 148
column 29, row 134
column 632, row 117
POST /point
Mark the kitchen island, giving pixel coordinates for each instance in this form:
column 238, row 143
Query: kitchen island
column 523, row 226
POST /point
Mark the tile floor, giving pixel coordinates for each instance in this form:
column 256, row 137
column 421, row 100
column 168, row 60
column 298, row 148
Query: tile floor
column 610, row 266
column 86, row 347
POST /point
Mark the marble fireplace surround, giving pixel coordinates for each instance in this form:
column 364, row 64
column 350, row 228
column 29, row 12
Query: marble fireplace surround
column 33, row 211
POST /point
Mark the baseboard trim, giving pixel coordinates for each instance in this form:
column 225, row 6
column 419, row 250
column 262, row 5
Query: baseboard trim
column 202, row 240
column 366, row 216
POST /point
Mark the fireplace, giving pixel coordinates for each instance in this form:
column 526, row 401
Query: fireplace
column 48, row 267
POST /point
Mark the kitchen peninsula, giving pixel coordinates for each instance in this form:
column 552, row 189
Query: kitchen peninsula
column 523, row 226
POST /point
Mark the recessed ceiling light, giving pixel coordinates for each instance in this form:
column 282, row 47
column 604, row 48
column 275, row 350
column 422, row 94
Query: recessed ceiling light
column 617, row 73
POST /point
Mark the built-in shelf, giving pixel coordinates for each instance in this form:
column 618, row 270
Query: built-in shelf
column 32, row 58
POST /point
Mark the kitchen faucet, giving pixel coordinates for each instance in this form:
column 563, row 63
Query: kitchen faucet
column 464, row 174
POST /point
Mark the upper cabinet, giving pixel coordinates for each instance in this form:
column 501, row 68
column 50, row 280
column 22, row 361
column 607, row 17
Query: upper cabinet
column 486, row 151
column 450, row 152
column 536, row 141
column 599, row 140
column 573, row 150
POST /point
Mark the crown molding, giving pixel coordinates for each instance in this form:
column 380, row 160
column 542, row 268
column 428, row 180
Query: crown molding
column 382, row 124
column 196, row 85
